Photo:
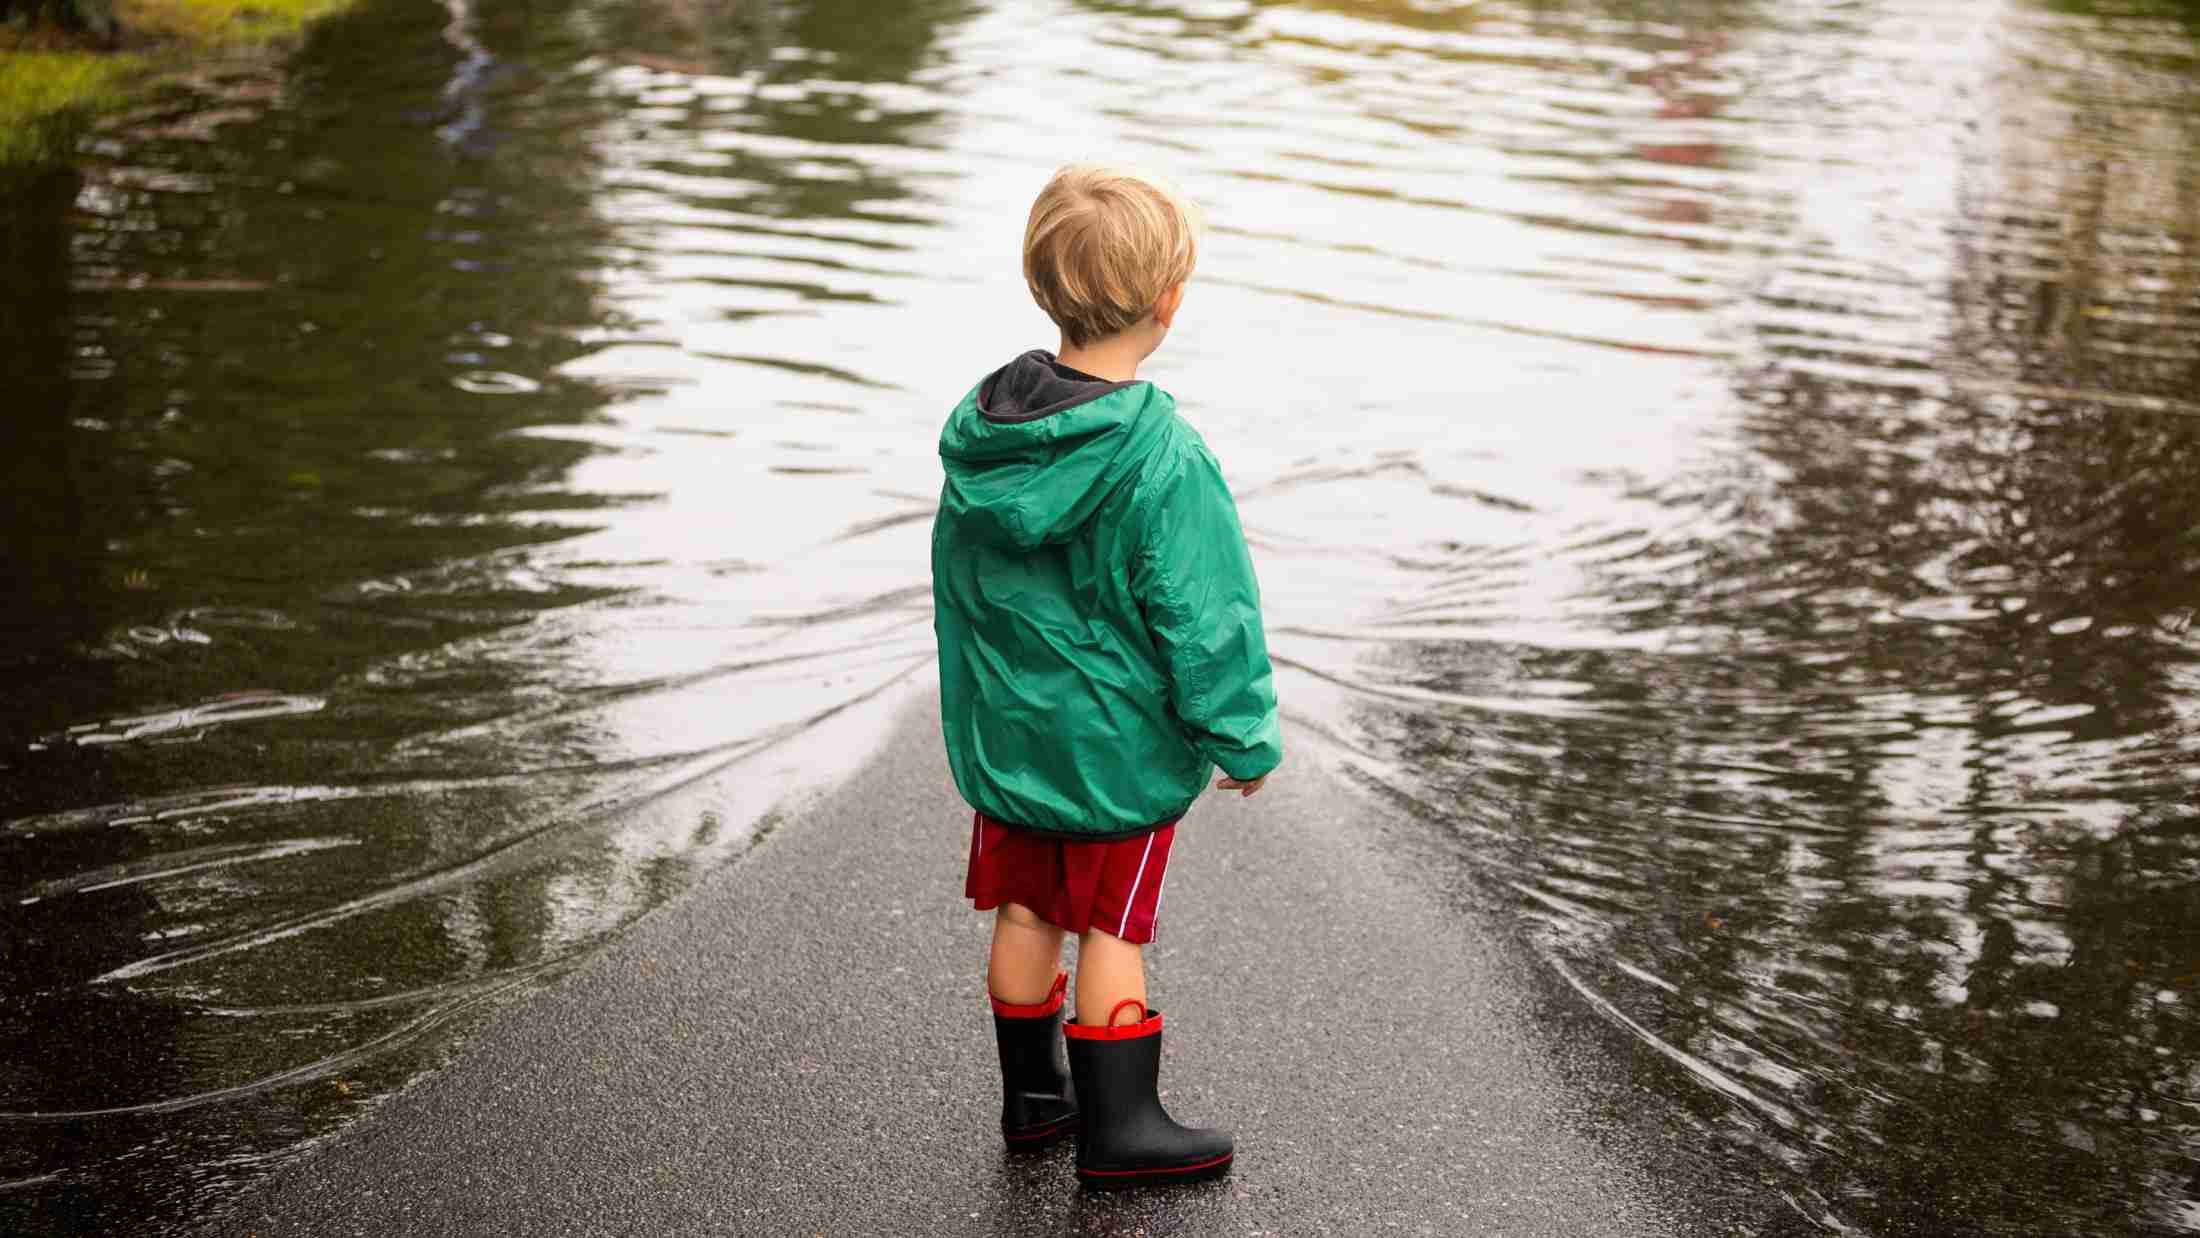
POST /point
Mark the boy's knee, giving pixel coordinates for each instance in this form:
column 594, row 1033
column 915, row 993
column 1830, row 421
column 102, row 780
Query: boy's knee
column 1022, row 917
column 1102, row 940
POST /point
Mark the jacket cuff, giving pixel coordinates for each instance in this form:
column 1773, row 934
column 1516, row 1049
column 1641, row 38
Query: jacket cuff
column 1246, row 764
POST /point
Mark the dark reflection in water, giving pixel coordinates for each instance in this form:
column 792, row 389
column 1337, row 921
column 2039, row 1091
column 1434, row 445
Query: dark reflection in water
column 43, row 562
column 466, row 481
column 283, row 800
column 266, row 474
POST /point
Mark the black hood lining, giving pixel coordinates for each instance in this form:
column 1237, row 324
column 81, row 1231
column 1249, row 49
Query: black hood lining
column 1044, row 378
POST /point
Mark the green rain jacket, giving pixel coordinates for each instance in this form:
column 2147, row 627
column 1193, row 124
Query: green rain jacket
column 1098, row 620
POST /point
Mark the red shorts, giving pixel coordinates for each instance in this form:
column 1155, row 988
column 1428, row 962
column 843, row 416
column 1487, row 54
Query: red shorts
column 1112, row 886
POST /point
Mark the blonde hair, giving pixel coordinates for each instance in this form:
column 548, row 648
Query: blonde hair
column 1102, row 245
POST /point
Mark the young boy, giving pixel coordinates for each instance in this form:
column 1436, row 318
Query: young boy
column 1100, row 651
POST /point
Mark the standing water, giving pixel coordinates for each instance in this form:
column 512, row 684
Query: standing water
column 1731, row 470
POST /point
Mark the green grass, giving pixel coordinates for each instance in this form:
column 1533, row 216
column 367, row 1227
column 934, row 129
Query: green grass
column 43, row 94
column 216, row 22
column 49, row 88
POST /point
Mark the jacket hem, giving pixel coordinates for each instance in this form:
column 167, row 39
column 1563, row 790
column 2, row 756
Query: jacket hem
column 1082, row 836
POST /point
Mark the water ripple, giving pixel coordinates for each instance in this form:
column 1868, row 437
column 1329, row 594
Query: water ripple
column 1727, row 478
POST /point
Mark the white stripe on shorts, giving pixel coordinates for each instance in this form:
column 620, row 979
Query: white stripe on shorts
column 1132, row 901
column 1161, row 893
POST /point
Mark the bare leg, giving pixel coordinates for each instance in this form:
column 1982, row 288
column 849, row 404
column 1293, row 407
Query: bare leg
column 1027, row 954
column 1109, row 970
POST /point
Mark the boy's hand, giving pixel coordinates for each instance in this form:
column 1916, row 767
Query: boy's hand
column 1247, row 788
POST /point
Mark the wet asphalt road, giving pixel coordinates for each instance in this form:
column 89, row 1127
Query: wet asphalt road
column 801, row 1046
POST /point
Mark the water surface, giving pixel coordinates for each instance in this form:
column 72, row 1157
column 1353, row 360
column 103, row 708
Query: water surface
column 1728, row 470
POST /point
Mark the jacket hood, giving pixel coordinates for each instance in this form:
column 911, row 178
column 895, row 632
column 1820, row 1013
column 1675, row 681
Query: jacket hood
column 1033, row 449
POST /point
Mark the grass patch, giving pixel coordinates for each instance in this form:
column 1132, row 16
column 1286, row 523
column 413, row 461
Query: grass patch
column 204, row 22
column 52, row 82
column 44, row 94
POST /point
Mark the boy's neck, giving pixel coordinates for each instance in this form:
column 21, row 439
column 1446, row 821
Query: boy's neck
column 1115, row 358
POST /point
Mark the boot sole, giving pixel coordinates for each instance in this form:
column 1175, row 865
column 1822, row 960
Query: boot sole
column 1114, row 1179
column 1040, row 1138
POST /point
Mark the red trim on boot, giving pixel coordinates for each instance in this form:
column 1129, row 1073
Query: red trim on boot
column 1148, row 1026
column 1041, row 1010
column 1060, row 1126
column 1141, row 1173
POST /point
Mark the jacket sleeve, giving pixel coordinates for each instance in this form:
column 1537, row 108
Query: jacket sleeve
column 1193, row 578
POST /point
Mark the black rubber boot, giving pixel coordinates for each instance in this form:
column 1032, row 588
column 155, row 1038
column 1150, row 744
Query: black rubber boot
column 1128, row 1138
column 1038, row 1106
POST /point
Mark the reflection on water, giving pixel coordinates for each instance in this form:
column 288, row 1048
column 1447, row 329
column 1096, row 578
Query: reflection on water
column 337, row 711
column 1731, row 477
column 1875, row 820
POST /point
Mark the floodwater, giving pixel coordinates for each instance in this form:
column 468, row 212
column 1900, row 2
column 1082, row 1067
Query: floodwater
column 1731, row 470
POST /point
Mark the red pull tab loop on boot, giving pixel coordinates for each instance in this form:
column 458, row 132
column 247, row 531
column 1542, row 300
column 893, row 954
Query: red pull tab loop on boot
column 1149, row 1024
column 1053, row 1002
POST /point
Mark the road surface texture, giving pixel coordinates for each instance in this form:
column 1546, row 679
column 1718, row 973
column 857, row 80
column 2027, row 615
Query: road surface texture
column 802, row 1046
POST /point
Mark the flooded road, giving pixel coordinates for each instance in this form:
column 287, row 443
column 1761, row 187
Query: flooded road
column 1732, row 470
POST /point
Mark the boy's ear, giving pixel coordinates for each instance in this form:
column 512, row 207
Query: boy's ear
column 1164, row 310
